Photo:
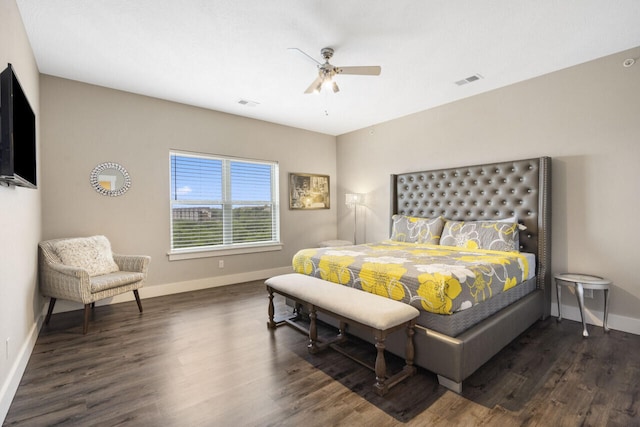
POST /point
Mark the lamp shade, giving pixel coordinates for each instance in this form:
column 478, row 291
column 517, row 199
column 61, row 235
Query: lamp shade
column 353, row 199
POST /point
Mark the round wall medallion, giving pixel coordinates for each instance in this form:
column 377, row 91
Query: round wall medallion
column 110, row 179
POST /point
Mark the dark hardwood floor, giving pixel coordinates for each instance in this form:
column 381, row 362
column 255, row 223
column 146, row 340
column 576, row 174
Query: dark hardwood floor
column 206, row 358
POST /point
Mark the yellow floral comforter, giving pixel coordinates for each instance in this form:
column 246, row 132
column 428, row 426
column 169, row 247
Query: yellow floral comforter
column 438, row 279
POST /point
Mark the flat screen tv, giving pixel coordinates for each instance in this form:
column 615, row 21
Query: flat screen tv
column 17, row 133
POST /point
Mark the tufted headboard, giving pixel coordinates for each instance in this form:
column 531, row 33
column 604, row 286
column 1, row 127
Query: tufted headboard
column 520, row 188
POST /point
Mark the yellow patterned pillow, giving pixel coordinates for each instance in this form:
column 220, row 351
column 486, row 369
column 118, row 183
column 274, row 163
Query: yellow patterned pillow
column 416, row 230
column 494, row 235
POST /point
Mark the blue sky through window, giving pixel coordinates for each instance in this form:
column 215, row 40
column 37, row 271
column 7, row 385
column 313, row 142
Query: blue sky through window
column 198, row 178
column 250, row 181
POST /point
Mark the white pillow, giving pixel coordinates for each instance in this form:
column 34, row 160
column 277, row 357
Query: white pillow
column 92, row 254
column 521, row 227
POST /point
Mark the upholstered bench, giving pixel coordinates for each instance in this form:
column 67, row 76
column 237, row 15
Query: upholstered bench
column 348, row 305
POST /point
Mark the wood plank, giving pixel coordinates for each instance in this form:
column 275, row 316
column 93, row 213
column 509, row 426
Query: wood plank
column 207, row 358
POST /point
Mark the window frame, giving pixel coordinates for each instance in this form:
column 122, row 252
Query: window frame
column 226, row 203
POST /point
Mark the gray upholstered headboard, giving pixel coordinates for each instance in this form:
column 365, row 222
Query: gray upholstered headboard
column 520, row 188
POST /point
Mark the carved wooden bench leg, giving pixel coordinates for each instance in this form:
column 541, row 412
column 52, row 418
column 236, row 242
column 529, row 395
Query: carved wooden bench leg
column 380, row 386
column 313, row 330
column 271, row 324
column 409, row 350
column 384, row 383
column 342, row 335
column 297, row 310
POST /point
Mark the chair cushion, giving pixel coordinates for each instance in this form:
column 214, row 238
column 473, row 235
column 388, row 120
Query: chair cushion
column 114, row 280
column 92, row 254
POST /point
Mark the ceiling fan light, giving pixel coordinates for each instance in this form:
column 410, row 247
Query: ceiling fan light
column 327, row 82
column 326, row 72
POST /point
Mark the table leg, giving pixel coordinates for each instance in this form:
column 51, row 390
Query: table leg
column 580, row 295
column 606, row 309
column 558, row 294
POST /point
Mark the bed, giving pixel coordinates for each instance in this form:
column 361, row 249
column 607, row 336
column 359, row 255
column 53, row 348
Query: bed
column 454, row 338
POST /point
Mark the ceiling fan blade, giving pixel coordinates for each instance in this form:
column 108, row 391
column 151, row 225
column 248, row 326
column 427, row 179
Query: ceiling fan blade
column 373, row 70
column 304, row 53
column 315, row 86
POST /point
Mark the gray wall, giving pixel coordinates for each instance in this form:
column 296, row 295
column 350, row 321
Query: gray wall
column 20, row 302
column 585, row 117
column 84, row 125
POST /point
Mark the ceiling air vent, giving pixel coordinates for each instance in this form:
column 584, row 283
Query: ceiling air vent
column 469, row 79
column 248, row 103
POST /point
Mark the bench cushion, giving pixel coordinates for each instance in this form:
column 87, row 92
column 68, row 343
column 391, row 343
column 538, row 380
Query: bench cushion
column 368, row 309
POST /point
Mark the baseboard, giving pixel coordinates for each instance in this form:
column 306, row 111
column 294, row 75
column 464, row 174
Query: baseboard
column 12, row 381
column 595, row 318
column 178, row 287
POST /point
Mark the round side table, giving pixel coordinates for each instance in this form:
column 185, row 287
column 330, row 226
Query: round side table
column 581, row 282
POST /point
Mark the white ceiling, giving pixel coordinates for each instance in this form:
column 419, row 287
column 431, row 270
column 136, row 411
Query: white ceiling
column 215, row 53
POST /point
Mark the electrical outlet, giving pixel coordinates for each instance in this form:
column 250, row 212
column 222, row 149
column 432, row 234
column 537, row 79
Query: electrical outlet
column 587, row 293
column 221, row 263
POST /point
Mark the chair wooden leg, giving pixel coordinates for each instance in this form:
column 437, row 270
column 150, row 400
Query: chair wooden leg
column 135, row 292
column 87, row 310
column 52, row 302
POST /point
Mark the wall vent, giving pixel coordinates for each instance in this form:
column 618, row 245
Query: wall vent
column 469, row 79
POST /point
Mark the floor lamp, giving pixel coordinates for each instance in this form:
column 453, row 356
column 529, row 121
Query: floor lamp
column 353, row 200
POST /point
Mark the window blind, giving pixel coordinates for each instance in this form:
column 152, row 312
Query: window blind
column 223, row 202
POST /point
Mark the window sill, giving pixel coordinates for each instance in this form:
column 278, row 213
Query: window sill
column 209, row 253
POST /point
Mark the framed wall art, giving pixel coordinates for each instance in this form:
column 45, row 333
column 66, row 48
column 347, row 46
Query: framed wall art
column 309, row 191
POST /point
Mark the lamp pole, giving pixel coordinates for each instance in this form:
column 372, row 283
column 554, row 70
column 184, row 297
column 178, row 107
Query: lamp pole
column 355, row 223
column 354, row 199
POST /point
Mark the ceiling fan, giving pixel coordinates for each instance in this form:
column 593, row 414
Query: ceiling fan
column 326, row 71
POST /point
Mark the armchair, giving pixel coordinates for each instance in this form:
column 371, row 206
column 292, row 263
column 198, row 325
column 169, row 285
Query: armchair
column 85, row 270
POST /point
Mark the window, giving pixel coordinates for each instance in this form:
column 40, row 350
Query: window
column 222, row 203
